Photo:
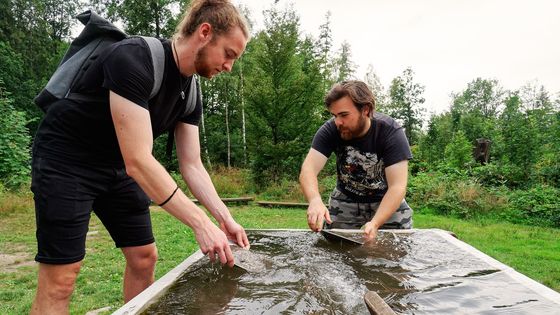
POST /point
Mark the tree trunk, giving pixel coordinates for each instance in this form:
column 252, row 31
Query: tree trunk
column 227, row 99
column 204, row 139
column 228, row 137
column 242, row 114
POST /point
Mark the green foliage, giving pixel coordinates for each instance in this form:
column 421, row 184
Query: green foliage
column 474, row 110
column 538, row 206
column 284, row 90
column 481, row 96
column 343, row 67
column 547, row 168
column 458, row 153
column 432, row 145
column 520, row 148
column 14, row 144
column 31, row 46
column 224, row 117
column 454, row 195
column 523, row 128
column 283, row 190
column 491, row 175
column 160, row 153
column 149, row 18
column 405, row 104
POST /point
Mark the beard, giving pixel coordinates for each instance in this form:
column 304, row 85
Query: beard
column 353, row 133
column 201, row 64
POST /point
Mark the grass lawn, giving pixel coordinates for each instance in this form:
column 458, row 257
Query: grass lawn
column 532, row 251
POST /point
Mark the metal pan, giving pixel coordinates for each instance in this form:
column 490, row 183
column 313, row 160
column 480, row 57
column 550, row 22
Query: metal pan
column 248, row 260
column 339, row 237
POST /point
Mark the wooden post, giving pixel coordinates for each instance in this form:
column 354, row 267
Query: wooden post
column 376, row 305
column 482, row 150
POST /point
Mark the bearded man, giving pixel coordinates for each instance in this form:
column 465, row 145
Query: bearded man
column 97, row 156
column 372, row 155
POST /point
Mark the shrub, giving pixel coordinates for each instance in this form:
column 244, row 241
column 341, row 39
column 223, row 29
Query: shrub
column 453, row 195
column 490, row 175
column 14, row 144
column 459, row 151
column 229, row 182
column 283, row 190
column 539, row 205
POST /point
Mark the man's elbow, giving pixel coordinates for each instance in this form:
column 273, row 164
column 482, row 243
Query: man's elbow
column 398, row 190
column 134, row 165
column 190, row 165
column 303, row 175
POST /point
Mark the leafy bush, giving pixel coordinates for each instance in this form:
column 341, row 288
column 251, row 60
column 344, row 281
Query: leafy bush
column 547, row 170
column 539, row 205
column 283, row 190
column 229, row 182
column 459, row 151
column 14, row 144
column 490, row 175
column 452, row 195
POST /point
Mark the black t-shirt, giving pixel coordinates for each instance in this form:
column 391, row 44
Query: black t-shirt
column 78, row 131
column 361, row 163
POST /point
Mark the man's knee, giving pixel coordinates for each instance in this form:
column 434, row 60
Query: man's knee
column 141, row 257
column 58, row 280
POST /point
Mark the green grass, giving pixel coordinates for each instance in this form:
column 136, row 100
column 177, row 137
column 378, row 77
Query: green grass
column 533, row 251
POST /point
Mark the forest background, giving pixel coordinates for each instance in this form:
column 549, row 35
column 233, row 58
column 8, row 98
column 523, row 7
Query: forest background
column 258, row 123
column 259, row 119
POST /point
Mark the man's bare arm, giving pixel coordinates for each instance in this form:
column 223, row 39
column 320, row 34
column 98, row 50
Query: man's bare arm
column 397, row 177
column 133, row 129
column 310, row 169
column 195, row 175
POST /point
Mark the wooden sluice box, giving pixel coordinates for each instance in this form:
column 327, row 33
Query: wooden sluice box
column 302, row 272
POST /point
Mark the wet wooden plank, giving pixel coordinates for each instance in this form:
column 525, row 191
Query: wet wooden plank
column 237, row 200
column 283, row 204
column 376, row 305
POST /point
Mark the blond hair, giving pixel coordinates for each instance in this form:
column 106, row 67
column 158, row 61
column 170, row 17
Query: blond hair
column 222, row 15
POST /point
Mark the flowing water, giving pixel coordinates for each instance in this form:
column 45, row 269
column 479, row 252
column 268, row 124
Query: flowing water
column 416, row 273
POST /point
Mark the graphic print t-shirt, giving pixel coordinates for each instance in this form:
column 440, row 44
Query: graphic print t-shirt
column 361, row 163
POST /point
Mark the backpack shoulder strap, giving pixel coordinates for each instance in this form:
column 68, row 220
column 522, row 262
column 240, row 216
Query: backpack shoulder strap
column 158, row 62
column 193, row 96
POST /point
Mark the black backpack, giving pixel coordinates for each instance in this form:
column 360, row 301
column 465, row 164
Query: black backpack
column 96, row 36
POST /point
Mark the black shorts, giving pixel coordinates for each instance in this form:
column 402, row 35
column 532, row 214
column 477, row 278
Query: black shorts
column 65, row 194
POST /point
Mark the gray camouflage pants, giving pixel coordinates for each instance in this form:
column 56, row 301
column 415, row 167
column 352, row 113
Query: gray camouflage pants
column 347, row 214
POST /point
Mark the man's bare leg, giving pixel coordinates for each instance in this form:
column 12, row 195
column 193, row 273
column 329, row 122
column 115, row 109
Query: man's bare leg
column 139, row 271
column 54, row 288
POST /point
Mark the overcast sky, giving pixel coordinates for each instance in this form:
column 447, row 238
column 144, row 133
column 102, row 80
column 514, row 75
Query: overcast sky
column 447, row 43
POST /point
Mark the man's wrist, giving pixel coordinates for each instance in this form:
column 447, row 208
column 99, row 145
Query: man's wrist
column 375, row 224
column 316, row 199
column 223, row 216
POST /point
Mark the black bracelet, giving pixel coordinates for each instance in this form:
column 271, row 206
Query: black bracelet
column 169, row 198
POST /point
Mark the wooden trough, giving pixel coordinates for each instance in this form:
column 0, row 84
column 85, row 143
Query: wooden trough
column 529, row 294
column 279, row 204
column 237, row 200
